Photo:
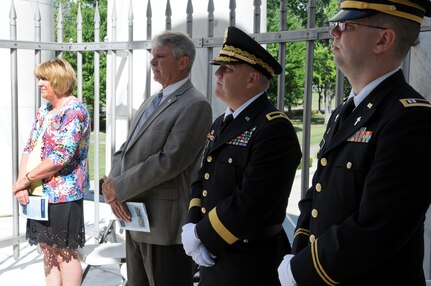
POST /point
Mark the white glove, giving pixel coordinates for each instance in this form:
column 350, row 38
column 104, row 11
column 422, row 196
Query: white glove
column 203, row 257
column 189, row 239
column 285, row 272
column 194, row 247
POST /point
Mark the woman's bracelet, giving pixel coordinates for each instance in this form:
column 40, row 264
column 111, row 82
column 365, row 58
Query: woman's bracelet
column 28, row 179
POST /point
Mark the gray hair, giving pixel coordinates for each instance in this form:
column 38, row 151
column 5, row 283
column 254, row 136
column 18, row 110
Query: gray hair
column 181, row 45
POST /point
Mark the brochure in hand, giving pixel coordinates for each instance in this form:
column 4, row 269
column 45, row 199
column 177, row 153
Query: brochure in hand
column 36, row 209
column 139, row 218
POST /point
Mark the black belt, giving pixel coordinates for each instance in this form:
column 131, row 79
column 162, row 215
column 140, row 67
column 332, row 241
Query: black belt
column 264, row 232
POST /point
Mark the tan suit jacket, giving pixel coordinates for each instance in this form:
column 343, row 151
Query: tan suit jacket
column 162, row 160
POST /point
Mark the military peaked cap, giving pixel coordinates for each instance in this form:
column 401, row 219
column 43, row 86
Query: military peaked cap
column 413, row 10
column 238, row 47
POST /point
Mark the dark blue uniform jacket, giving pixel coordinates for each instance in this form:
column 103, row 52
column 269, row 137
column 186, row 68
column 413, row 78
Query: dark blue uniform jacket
column 240, row 197
column 362, row 221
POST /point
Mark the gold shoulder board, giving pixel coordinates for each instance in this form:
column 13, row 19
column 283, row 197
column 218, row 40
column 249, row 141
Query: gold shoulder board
column 413, row 102
column 276, row 114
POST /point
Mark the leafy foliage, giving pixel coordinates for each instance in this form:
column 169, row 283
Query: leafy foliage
column 324, row 75
column 295, row 58
column 323, row 69
column 299, row 8
column 70, row 14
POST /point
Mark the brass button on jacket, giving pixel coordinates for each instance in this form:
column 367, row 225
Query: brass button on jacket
column 323, row 162
column 238, row 154
column 312, row 238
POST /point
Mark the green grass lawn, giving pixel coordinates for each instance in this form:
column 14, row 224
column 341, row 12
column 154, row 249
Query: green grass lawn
column 317, row 130
column 317, row 121
column 317, row 127
column 102, row 146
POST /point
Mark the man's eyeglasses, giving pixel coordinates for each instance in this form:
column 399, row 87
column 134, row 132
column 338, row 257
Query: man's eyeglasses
column 343, row 24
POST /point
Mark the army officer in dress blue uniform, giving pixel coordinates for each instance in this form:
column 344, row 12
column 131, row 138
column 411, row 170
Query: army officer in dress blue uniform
column 362, row 220
column 239, row 200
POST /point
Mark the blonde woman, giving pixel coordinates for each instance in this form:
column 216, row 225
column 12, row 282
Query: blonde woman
column 55, row 165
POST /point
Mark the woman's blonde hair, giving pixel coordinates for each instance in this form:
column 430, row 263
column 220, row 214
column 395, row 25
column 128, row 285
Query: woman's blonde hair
column 59, row 73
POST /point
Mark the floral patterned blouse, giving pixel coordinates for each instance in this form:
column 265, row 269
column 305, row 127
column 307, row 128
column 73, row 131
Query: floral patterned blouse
column 65, row 142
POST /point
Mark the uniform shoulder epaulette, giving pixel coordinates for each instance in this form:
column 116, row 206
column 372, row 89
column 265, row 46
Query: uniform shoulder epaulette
column 276, row 114
column 414, row 102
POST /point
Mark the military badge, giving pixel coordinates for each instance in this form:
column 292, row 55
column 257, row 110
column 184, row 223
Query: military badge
column 361, row 136
column 413, row 102
column 210, row 135
column 242, row 139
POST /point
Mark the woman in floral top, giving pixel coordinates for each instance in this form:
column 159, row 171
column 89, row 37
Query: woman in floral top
column 55, row 165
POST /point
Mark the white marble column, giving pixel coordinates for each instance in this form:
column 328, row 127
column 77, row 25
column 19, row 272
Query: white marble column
column 25, row 13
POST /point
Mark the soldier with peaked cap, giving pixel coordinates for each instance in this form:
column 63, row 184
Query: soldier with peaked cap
column 238, row 202
column 362, row 220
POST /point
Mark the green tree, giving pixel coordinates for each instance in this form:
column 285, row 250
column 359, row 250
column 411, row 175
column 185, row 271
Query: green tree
column 299, row 9
column 324, row 76
column 295, row 58
column 70, row 13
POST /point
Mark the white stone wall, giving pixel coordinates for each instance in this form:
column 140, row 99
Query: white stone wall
column 420, row 72
column 420, row 79
column 25, row 12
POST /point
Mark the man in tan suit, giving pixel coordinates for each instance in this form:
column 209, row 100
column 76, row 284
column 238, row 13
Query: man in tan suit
column 157, row 163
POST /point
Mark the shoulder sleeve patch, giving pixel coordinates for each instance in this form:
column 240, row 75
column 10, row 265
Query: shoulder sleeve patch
column 414, row 102
column 276, row 114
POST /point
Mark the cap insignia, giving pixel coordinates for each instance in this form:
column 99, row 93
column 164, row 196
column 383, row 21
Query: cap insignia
column 245, row 56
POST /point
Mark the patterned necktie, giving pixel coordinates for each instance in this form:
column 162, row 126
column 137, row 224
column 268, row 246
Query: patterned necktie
column 147, row 112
